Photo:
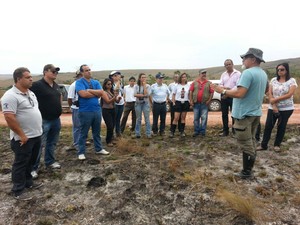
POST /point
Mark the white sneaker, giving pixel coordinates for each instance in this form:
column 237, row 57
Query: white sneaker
column 81, row 157
column 103, row 152
column 55, row 165
column 34, row 174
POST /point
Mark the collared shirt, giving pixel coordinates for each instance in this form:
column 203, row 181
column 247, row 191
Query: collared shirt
column 159, row 92
column 49, row 99
column 88, row 104
column 72, row 94
column 26, row 108
column 230, row 81
column 129, row 93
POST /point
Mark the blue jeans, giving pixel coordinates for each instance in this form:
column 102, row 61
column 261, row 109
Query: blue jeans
column 200, row 112
column 50, row 136
column 145, row 109
column 75, row 127
column 119, row 111
column 87, row 120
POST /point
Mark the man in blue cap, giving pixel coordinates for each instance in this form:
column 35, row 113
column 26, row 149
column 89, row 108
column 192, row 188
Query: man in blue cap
column 160, row 94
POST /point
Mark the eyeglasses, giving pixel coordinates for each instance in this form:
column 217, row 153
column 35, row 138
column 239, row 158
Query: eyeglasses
column 31, row 101
column 280, row 70
column 54, row 72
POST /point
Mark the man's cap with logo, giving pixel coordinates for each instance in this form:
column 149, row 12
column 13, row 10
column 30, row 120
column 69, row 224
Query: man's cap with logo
column 159, row 76
column 202, row 71
column 257, row 53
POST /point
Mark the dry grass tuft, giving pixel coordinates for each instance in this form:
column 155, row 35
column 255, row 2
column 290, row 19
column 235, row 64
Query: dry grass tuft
column 198, row 176
column 263, row 191
column 126, row 146
column 243, row 205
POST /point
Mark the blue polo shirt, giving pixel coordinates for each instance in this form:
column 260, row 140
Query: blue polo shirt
column 88, row 104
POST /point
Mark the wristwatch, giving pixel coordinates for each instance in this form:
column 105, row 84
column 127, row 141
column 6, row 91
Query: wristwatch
column 223, row 92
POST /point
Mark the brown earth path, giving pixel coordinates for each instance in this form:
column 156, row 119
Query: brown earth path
column 214, row 118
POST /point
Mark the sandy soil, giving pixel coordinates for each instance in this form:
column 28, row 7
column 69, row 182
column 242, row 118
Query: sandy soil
column 214, row 118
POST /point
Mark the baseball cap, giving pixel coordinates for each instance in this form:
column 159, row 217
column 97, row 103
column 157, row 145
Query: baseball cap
column 159, row 76
column 51, row 67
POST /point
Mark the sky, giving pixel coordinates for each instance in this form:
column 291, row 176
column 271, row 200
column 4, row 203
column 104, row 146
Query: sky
column 139, row 34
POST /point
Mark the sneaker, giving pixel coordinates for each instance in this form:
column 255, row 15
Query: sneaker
column 110, row 145
column 34, row 174
column 137, row 136
column 103, row 152
column 171, row 135
column 81, row 157
column 36, row 185
column 87, row 143
column 182, row 134
column 24, row 196
column 55, row 165
column 154, row 134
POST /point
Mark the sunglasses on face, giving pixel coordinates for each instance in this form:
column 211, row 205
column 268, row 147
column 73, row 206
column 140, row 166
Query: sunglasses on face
column 280, row 70
column 31, row 101
column 54, row 72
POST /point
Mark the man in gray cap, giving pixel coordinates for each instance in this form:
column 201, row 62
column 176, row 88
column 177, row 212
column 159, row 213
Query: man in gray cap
column 247, row 106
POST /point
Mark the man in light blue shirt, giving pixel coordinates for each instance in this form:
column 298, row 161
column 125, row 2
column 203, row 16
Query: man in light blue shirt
column 247, row 106
column 160, row 94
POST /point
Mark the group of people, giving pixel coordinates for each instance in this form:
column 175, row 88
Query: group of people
column 32, row 111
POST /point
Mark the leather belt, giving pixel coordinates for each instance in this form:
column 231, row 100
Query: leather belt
column 159, row 103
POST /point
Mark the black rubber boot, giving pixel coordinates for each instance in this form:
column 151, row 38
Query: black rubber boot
column 173, row 128
column 182, row 127
column 248, row 163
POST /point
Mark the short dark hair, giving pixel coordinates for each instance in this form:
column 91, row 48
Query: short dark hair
column 132, row 78
column 18, row 73
column 81, row 67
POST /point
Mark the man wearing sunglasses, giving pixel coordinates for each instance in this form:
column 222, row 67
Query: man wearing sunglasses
column 247, row 106
column 49, row 98
column 21, row 112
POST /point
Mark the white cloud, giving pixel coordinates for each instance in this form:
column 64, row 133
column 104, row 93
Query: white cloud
column 133, row 34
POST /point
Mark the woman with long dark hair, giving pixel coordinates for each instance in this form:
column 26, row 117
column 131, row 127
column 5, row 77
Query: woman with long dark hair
column 142, row 92
column 281, row 107
column 180, row 101
column 108, row 110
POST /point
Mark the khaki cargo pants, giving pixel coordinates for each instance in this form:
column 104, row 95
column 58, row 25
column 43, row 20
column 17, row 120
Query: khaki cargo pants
column 245, row 130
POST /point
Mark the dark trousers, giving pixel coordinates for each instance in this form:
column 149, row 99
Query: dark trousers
column 159, row 110
column 109, row 119
column 119, row 111
column 226, row 106
column 129, row 107
column 281, row 126
column 172, row 112
column 25, row 157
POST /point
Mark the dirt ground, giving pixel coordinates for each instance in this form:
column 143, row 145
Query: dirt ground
column 160, row 181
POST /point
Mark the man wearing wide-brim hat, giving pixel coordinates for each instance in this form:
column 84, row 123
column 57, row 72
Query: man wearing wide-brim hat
column 247, row 106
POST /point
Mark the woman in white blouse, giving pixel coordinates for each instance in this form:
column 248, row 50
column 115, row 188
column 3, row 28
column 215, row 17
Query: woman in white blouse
column 281, row 107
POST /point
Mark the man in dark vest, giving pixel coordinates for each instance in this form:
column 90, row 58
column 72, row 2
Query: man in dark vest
column 200, row 95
